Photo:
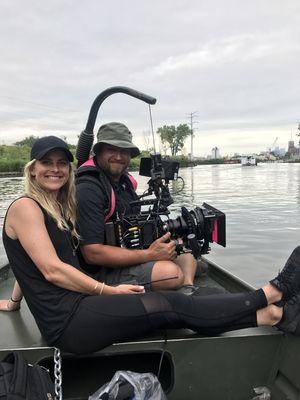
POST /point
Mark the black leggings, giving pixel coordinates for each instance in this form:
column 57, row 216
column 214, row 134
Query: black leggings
column 102, row 320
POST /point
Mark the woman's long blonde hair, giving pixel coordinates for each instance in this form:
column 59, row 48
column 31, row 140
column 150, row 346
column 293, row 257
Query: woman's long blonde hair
column 66, row 219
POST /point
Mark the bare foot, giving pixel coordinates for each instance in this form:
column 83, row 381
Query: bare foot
column 272, row 293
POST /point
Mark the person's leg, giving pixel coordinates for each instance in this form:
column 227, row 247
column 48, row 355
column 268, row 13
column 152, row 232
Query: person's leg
column 287, row 281
column 165, row 275
column 269, row 315
column 162, row 270
column 217, row 313
column 159, row 275
column 135, row 275
column 102, row 320
column 188, row 265
column 223, row 312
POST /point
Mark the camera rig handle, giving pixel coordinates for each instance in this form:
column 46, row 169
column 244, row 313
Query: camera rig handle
column 194, row 245
column 86, row 137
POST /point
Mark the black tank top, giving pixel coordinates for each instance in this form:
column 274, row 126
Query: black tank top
column 51, row 306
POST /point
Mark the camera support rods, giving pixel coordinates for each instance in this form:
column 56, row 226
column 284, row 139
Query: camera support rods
column 86, row 137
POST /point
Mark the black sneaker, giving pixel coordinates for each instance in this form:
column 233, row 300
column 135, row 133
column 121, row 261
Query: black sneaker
column 288, row 280
column 290, row 321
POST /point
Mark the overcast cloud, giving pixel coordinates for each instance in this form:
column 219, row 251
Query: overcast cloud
column 236, row 63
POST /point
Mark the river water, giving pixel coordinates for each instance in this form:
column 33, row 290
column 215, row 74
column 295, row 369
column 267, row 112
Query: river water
column 262, row 207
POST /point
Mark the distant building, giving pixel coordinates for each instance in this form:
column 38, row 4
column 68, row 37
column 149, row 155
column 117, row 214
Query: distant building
column 215, row 153
column 291, row 147
column 293, row 150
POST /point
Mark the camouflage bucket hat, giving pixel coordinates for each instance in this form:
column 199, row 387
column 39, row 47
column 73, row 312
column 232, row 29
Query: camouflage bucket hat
column 116, row 134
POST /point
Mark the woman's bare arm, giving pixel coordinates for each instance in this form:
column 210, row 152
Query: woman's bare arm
column 25, row 220
column 12, row 304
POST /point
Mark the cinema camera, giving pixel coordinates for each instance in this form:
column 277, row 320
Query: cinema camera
column 196, row 228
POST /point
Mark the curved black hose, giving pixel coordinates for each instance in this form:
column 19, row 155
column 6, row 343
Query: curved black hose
column 86, row 137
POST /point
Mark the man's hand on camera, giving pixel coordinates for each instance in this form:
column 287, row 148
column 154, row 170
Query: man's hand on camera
column 129, row 289
column 162, row 249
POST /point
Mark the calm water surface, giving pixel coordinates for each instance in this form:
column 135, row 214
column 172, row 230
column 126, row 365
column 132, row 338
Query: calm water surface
column 262, row 207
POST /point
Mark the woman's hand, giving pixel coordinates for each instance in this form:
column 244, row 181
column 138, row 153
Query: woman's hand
column 128, row 289
column 9, row 305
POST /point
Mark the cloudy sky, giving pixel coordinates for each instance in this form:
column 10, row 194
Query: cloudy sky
column 235, row 63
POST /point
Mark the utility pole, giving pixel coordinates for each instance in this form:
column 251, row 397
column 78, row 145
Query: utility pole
column 191, row 116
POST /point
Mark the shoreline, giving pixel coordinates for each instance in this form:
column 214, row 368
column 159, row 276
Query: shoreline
column 9, row 174
column 18, row 174
column 4, row 174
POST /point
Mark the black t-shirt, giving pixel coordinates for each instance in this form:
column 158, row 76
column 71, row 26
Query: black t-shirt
column 51, row 306
column 93, row 202
column 93, row 206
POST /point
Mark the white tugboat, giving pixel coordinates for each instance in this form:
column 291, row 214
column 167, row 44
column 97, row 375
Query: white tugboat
column 248, row 161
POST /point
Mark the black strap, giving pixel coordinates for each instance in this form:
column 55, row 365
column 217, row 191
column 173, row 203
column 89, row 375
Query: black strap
column 89, row 178
column 93, row 179
column 19, row 374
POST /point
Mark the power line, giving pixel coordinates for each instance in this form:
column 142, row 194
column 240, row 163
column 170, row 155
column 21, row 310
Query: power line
column 50, row 107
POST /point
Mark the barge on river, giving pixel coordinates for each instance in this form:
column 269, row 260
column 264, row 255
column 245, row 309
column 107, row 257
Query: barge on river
column 193, row 367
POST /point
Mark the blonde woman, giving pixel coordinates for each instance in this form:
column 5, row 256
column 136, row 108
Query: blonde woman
column 79, row 314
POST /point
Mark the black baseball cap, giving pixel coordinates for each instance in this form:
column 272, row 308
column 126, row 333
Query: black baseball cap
column 48, row 143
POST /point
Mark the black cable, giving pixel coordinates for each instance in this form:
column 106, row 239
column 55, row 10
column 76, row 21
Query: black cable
column 163, row 353
column 183, row 185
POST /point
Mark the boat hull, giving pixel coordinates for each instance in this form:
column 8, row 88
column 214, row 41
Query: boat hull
column 227, row 366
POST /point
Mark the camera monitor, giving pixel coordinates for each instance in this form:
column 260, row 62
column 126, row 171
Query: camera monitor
column 162, row 168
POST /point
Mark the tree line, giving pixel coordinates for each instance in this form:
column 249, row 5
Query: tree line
column 172, row 137
column 14, row 157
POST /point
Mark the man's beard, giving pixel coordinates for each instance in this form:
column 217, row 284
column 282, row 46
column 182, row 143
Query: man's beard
column 116, row 172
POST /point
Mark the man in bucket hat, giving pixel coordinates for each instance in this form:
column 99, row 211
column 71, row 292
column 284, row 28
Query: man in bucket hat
column 96, row 179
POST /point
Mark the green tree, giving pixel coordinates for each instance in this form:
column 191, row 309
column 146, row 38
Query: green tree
column 28, row 141
column 174, row 136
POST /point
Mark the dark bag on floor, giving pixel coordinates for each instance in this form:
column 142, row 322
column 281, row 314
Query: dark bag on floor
column 22, row 381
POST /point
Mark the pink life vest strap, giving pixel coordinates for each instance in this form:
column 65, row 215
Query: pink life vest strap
column 89, row 163
column 112, row 205
column 112, row 202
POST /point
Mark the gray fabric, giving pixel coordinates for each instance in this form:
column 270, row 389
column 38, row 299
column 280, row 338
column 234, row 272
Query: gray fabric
column 137, row 274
